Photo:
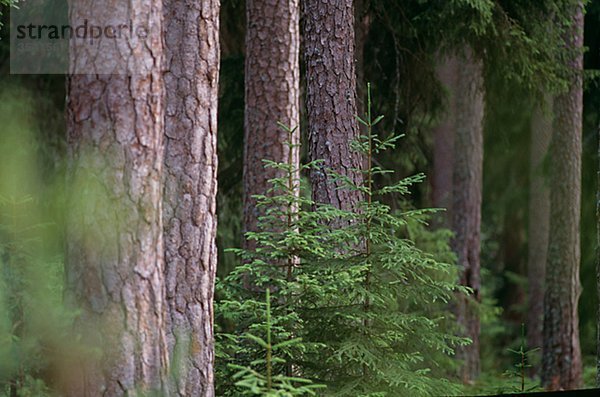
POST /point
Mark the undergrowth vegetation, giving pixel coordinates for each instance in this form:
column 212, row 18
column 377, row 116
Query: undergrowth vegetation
column 360, row 298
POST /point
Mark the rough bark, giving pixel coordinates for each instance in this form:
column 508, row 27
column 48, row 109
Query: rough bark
column 466, row 209
column 190, row 188
column 539, row 220
column 443, row 142
column 328, row 31
column 561, row 360
column 114, row 249
column 272, row 95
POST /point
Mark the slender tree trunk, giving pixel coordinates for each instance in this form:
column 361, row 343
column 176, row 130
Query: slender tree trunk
column 114, row 250
column 362, row 25
column 272, row 95
column 190, row 189
column 539, row 220
column 466, row 210
column 512, row 242
column 331, row 99
column 561, row 362
column 443, row 142
column 598, row 267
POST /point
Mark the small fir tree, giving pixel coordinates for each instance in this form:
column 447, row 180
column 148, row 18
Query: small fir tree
column 370, row 306
column 255, row 383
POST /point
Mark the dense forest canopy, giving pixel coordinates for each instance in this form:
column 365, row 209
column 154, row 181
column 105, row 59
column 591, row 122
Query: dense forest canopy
column 300, row 197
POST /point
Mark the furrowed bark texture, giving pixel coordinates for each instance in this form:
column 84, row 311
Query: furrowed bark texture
column 466, row 211
column 443, row 142
column 561, row 360
column 272, row 95
column 539, row 220
column 114, row 249
column 190, row 188
column 331, row 99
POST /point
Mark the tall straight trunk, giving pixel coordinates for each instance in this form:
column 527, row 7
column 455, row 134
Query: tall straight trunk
column 539, row 220
column 272, row 81
column 114, row 249
column 331, row 100
column 466, row 209
column 598, row 268
column 561, row 362
column 362, row 26
column 443, row 142
column 190, row 189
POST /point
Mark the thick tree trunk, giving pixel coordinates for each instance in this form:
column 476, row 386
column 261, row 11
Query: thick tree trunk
column 443, row 142
column 272, row 95
column 539, row 220
column 561, row 362
column 190, row 189
column 466, row 209
column 331, row 99
column 114, row 250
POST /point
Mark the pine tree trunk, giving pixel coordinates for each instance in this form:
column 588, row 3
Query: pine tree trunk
column 539, row 220
column 190, row 188
column 331, row 99
column 466, row 210
column 561, row 362
column 362, row 25
column 598, row 269
column 114, row 249
column 272, row 95
column 443, row 142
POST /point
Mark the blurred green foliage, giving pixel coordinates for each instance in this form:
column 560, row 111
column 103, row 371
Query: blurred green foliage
column 33, row 321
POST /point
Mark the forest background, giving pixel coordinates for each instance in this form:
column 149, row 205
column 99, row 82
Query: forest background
column 400, row 44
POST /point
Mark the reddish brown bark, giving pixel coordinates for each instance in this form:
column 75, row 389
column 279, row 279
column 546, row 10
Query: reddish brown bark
column 272, row 95
column 362, row 26
column 331, row 99
column 114, row 250
column 190, row 188
column 561, row 360
column 443, row 142
column 466, row 209
column 539, row 220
